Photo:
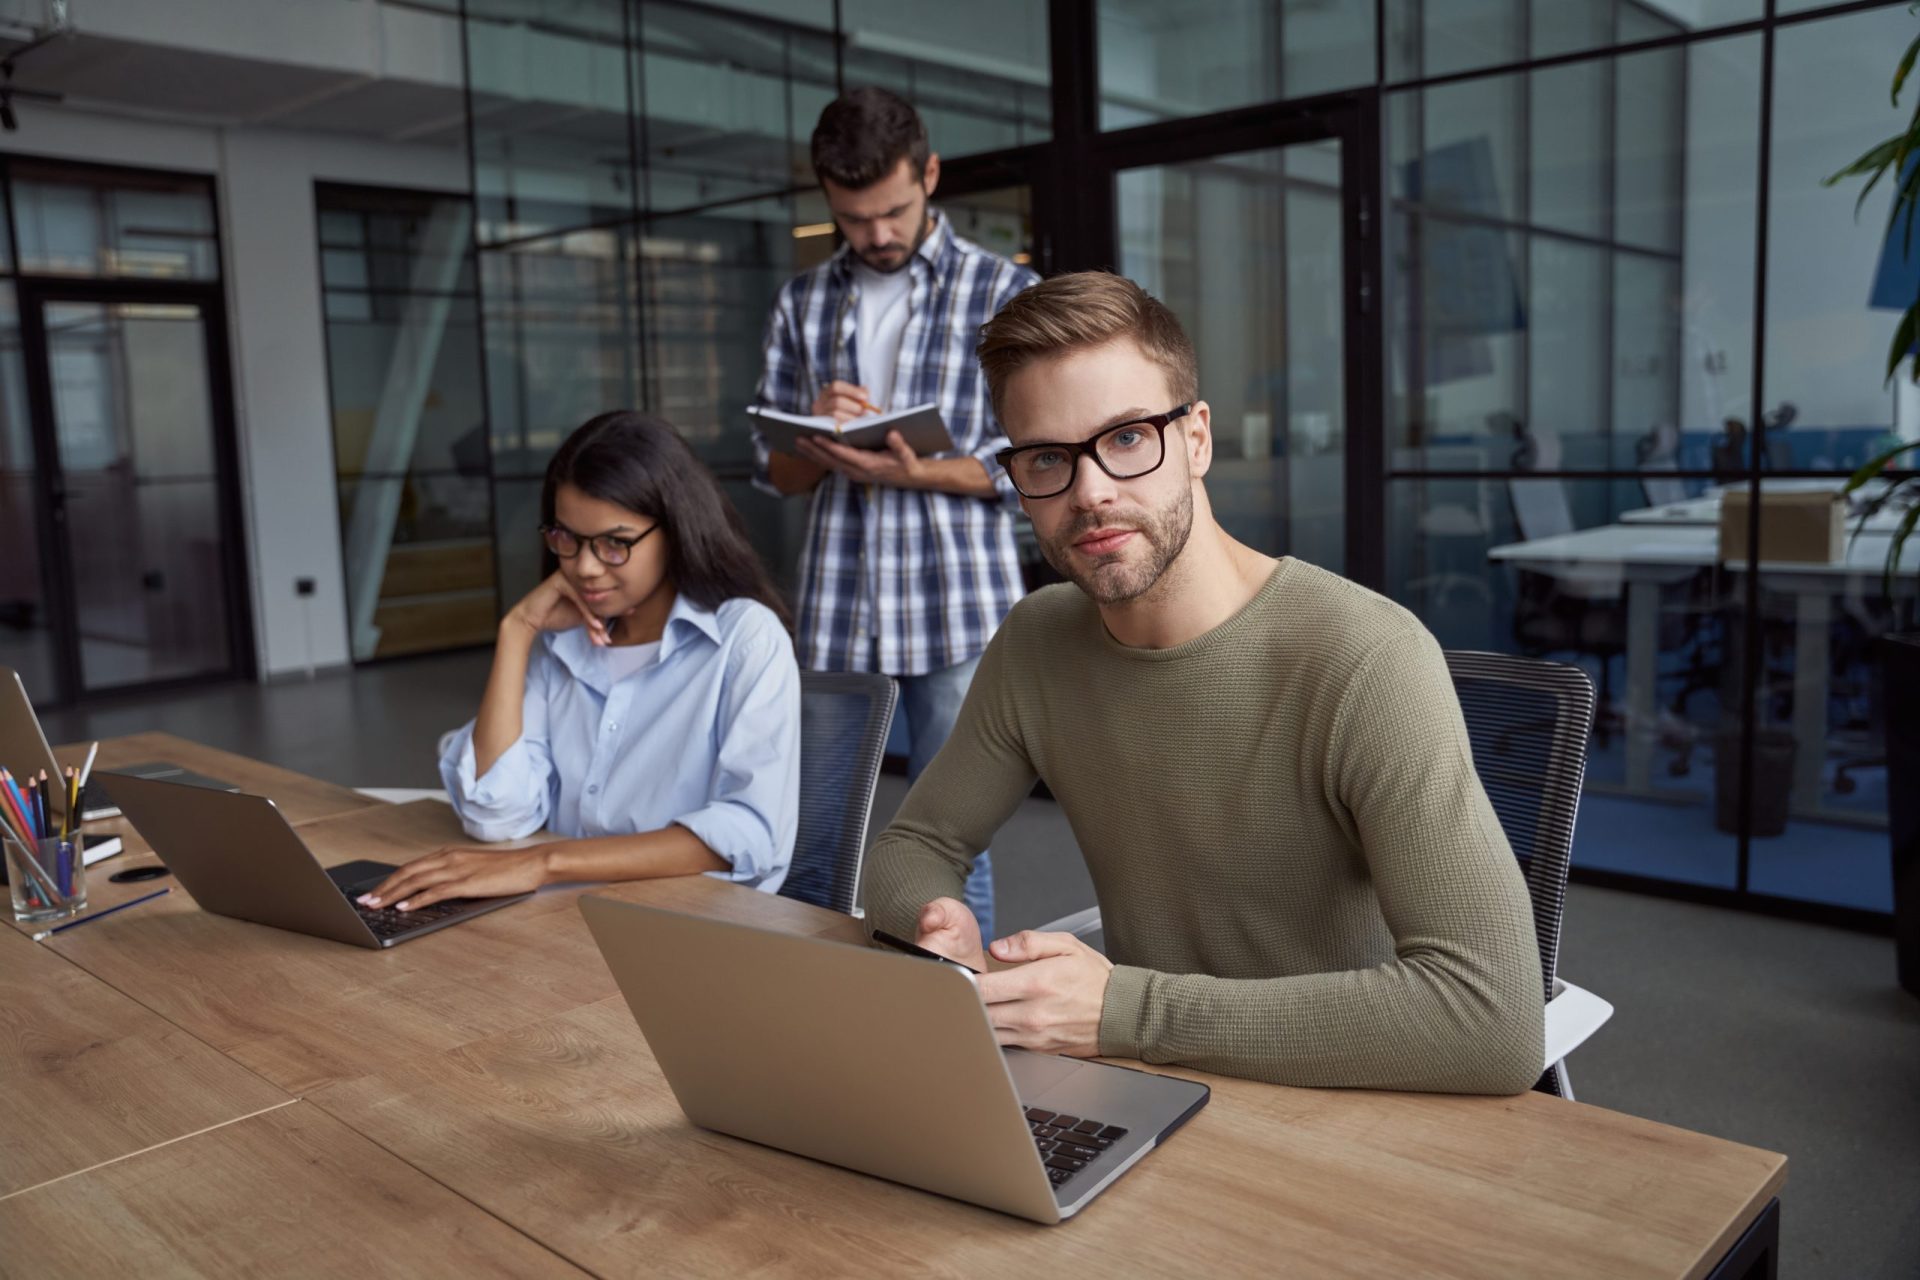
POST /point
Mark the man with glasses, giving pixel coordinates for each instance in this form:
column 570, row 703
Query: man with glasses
column 908, row 563
column 1300, row 878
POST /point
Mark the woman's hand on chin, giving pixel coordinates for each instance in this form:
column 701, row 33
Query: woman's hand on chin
column 555, row 605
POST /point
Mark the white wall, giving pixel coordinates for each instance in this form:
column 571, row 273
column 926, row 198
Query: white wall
column 278, row 357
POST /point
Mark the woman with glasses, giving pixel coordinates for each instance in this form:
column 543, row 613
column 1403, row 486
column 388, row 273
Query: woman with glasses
column 644, row 700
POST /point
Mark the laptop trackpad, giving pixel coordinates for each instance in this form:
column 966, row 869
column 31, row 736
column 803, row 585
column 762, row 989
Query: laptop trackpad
column 360, row 876
column 1035, row 1073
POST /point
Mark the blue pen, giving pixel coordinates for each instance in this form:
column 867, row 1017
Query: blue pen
column 44, row 934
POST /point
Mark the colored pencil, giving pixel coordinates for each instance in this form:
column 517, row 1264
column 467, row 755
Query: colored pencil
column 88, row 919
column 16, row 807
column 73, row 799
column 86, row 769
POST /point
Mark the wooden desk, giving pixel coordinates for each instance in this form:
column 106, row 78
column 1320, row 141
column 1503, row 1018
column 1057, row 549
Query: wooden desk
column 300, row 798
column 497, row 1060
column 304, row 1011
column 90, row 1076
column 290, row 1192
column 566, row 1129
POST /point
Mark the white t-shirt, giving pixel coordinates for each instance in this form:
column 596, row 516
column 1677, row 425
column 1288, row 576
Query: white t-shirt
column 622, row 660
column 880, row 326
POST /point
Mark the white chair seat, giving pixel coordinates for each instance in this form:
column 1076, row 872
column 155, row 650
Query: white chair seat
column 403, row 795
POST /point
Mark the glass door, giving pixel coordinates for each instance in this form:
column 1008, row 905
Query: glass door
column 1257, row 228
column 1246, row 250
column 144, row 534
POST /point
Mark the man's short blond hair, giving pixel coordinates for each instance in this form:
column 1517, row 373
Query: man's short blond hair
column 1080, row 310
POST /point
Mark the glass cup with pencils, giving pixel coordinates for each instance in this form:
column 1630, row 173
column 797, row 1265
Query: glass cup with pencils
column 40, row 835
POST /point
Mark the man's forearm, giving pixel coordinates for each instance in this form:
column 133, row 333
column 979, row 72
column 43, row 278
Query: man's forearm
column 966, row 477
column 793, row 476
column 1435, row 1022
column 904, row 873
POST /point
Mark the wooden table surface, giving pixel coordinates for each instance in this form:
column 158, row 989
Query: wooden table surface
column 566, row 1129
column 288, row 1192
column 490, row 1074
column 305, row 1011
column 88, row 1076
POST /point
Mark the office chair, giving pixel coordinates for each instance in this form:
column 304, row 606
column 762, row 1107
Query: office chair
column 1657, row 455
column 1527, row 721
column 844, row 716
column 1578, row 609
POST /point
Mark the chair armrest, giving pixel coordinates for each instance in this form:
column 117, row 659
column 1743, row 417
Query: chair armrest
column 1573, row 1014
column 1080, row 924
column 403, row 795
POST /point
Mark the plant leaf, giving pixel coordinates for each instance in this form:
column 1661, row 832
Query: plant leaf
column 1906, row 65
column 1893, row 551
column 1902, row 339
column 1875, row 465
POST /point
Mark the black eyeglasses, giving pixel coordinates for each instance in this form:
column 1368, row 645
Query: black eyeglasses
column 1125, row 451
column 609, row 549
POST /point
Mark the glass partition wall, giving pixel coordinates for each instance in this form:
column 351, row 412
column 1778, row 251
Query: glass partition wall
column 1495, row 300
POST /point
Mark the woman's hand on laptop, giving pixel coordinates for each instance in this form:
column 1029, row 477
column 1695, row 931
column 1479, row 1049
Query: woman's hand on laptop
column 948, row 927
column 1051, row 1000
column 461, row 873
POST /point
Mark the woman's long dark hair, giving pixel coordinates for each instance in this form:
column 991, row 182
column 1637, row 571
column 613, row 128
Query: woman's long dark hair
column 639, row 462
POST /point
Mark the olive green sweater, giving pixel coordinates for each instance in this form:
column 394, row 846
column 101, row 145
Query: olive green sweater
column 1299, row 874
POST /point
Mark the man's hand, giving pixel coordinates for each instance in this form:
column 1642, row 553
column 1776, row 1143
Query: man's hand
column 896, row 466
column 461, row 873
column 1051, row 1002
column 948, row 927
column 842, row 400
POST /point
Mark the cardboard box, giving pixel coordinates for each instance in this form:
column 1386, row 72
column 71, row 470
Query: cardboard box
column 1807, row 526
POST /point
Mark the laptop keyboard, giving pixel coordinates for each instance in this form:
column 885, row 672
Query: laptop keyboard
column 1069, row 1144
column 388, row 923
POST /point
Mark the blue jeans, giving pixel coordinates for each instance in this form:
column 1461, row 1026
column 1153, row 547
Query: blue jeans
column 931, row 703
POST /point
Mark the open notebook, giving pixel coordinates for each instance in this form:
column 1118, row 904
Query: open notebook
column 919, row 426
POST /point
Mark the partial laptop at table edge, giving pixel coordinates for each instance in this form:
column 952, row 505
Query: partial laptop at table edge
column 24, row 750
column 877, row 1062
column 237, row 856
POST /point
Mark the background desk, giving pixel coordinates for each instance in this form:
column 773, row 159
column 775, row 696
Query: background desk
column 1649, row 557
column 487, row 1077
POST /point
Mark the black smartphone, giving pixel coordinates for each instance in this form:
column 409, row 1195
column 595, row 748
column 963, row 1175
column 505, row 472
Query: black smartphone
column 915, row 949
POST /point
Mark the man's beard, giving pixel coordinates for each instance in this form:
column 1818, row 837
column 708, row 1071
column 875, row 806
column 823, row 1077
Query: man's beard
column 926, row 229
column 1116, row 580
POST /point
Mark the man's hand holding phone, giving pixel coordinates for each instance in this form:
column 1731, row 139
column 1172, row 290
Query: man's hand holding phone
column 948, row 927
column 1048, row 991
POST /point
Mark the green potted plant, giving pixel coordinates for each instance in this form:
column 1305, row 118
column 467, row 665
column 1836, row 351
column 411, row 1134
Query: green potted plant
column 1899, row 649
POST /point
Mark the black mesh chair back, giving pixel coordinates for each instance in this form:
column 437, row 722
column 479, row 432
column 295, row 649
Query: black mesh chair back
column 844, row 717
column 1528, row 721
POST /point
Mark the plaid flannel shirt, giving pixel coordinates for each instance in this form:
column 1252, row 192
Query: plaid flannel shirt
column 910, row 580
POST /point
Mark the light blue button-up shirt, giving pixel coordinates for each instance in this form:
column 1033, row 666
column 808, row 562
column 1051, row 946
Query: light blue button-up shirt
column 708, row 736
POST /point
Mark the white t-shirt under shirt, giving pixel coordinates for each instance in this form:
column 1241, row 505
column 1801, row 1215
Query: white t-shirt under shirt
column 622, row 660
column 880, row 326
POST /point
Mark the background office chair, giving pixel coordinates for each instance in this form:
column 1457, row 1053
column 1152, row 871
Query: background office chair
column 844, row 717
column 843, row 732
column 1527, row 721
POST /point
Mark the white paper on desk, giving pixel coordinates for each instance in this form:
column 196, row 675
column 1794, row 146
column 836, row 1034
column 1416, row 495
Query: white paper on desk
column 99, row 850
column 920, row 426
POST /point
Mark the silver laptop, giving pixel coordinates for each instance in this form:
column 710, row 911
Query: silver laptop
column 876, row 1061
column 24, row 751
column 238, row 857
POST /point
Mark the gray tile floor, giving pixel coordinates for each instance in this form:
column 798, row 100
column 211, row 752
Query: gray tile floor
column 1784, row 1035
